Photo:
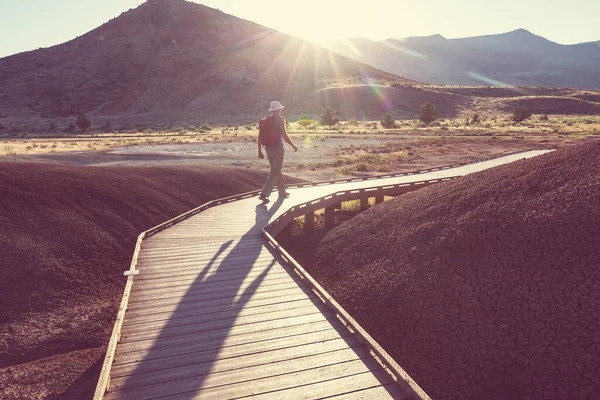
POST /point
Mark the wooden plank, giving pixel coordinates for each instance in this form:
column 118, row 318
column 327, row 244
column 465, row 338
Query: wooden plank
column 188, row 327
column 238, row 255
column 241, row 376
column 159, row 350
column 224, row 338
column 375, row 393
column 226, row 275
column 193, row 335
column 213, row 291
column 215, row 279
column 199, row 298
column 312, row 383
column 229, row 265
column 232, row 312
column 189, row 358
column 200, row 301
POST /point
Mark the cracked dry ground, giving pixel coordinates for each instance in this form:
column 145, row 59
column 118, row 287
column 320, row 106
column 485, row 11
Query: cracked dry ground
column 487, row 287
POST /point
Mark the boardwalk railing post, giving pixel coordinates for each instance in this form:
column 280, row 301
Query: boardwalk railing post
column 283, row 236
column 330, row 216
column 309, row 222
column 364, row 202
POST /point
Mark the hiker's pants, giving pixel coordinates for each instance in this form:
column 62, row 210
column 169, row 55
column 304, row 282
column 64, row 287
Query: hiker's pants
column 275, row 156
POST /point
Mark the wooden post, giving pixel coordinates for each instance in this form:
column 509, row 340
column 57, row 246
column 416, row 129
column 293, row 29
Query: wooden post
column 330, row 216
column 364, row 203
column 309, row 222
column 337, row 206
column 283, row 237
column 379, row 199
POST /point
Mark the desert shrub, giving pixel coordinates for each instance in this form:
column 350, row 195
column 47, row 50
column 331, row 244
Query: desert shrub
column 329, row 116
column 83, row 122
column 361, row 167
column 388, row 121
column 70, row 127
column 429, row 113
column 544, row 117
column 520, row 114
column 305, row 123
column 205, row 127
column 475, row 118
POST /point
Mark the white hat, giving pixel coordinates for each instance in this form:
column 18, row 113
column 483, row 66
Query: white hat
column 275, row 105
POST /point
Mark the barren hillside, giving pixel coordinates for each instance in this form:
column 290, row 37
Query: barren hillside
column 175, row 63
column 486, row 287
column 173, row 60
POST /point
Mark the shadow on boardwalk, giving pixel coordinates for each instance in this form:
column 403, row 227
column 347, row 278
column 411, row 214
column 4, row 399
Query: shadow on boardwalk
column 208, row 309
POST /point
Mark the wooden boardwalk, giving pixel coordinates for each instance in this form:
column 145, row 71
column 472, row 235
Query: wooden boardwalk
column 216, row 313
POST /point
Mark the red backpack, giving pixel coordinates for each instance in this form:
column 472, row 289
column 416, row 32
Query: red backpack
column 267, row 131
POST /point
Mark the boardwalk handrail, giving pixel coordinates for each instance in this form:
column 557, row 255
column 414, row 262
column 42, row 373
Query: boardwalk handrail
column 394, row 189
column 402, row 377
column 104, row 379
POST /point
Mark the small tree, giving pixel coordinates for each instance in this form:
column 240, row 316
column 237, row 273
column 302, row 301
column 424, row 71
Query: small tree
column 520, row 114
column 329, row 116
column 388, row 121
column 305, row 123
column 429, row 113
column 83, row 122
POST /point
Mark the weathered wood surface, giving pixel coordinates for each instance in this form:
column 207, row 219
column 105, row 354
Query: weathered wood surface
column 214, row 314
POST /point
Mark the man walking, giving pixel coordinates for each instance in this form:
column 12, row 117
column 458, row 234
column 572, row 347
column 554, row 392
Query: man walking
column 272, row 133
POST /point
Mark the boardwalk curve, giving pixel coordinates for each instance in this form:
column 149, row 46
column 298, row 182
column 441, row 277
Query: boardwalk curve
column 220, row 310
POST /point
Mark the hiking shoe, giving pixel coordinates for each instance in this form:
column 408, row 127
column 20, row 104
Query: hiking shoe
column 263, row 198
column 284, row 195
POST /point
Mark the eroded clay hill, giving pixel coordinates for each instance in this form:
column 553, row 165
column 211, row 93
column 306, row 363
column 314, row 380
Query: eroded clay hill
column 487, row 287
column 66, row 236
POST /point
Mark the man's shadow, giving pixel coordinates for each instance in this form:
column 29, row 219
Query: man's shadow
column 189, row 344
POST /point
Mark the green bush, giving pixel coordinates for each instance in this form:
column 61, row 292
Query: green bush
column 305, row 123
column 388, row 121
column 520, row 114
column 329, row 116
column 429, row 113
column 83, row 122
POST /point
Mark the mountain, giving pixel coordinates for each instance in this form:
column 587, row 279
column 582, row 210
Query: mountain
column 175, row 63
column 174, row 60
column 514, row 58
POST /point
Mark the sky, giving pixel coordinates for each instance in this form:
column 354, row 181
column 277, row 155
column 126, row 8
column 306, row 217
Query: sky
column 31, row 24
